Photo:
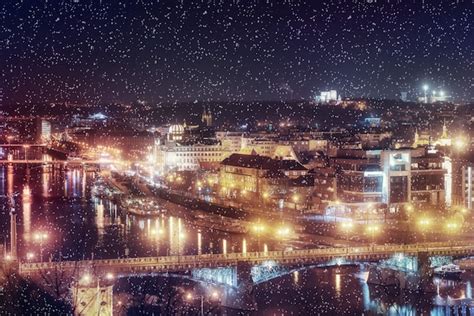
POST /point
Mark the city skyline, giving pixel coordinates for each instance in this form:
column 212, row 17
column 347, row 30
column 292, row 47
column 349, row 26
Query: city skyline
column 214, row 157
column 99, row 51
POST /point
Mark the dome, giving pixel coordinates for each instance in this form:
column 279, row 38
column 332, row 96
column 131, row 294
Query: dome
column 176, row 129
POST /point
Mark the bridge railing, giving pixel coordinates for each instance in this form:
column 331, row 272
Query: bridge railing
column 232, row 258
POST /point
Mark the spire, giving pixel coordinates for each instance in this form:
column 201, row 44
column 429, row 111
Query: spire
column 206, row 117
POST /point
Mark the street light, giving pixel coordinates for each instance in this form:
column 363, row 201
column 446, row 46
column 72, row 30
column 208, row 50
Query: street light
column 372, row 230
column 347, row 227
column 460, row 143
column 295, row 200
column 40, row 237
column 30, row 256
column 109, row 276
column 452, row 227
column 424, row 223
column 86, row 279
column 214, row 296
column 283, row 232
column 258, row 228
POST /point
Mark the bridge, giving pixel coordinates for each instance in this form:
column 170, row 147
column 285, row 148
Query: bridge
column 23, row 145
column 236, row 273
column 57, row 161
column 128, row 266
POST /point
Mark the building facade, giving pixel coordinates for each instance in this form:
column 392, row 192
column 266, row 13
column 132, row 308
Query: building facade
column 388, row 179
column 261, row 180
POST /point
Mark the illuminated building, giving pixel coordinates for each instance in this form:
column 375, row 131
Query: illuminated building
column 180, row 156
column 175, row 132
column 259, row 179
column 260, row 146
column 206, row 117
column 462, row 180
column 421, row 140
column 371, row 138
column 324, row 186
column 328, row 97
column 43, row 130
column 444, row 139
column 388, row 178
column 231, row 141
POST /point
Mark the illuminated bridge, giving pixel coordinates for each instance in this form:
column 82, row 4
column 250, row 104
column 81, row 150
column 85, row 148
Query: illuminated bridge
column 131, row 266
column 236, row 273
column 57, row 161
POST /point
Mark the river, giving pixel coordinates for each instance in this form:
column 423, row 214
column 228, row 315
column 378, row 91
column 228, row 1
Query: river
column 79, row 225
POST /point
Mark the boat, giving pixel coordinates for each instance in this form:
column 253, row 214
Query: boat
column 146, row 212
column 449, row 270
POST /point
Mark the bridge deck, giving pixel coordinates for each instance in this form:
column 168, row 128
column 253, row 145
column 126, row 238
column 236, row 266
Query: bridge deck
column 180, row 263
column 49, row 162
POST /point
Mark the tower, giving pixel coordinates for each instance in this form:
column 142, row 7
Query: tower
column 206, row 117
column 444, row 134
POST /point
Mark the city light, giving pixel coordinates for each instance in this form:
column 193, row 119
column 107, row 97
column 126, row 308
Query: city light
column 258, row 228
column 347, row 227
column 453, row 227
column 215, row 295
column 189, row 296
column 109, row 276
column 295, row 198
column 283, row 231
column 460, row 143
column 86, row 278
column 192, row 158
column 424, row 222
column 40, row 236
column 372, row 230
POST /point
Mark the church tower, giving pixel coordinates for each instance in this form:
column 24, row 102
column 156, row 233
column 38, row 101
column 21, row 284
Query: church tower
column 206, row 117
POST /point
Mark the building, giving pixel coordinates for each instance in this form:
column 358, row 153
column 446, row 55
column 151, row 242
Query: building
column 462, row 180
column 324, row 187
column 388, row 179
column 189, row 156
column 261, row 180
column 43, row 130
column 231, row 141
column 373, row 138
column 260, row 145
column 175, row 133
column 328, row 97
column 206, row 117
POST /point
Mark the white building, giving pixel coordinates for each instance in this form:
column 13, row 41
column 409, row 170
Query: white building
column 44, row 131
column 178, row 157
column 231, row 141
column 328, row 96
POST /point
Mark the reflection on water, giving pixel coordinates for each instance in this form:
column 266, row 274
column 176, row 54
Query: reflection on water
column 81, row 226
column 26, row 206
column 337, row 291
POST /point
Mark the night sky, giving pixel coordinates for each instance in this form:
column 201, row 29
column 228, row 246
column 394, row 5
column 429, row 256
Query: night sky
column 166, row 51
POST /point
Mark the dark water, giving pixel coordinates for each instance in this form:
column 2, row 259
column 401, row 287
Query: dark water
column 80, row 225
